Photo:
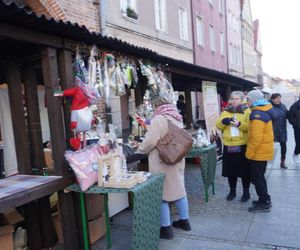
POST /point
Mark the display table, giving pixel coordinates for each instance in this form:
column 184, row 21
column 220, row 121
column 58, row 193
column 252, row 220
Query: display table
column 147, row 199
column 208, row 165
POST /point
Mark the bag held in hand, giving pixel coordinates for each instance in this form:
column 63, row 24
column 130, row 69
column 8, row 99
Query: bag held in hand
column 174, row 146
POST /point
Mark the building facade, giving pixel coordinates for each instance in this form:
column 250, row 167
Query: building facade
column 209, row 26
column 234, row 38
column 258, row 52
column 160, row 25
column 249, row 57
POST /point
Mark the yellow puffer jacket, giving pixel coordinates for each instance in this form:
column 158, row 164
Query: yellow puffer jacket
column 243, row 118
column 260, row 146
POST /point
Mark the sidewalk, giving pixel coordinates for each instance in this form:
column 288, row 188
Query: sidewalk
column 220, row 224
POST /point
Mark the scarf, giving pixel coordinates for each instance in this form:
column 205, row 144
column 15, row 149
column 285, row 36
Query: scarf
column 261, row 102
column 239, row 109
column 168, row 109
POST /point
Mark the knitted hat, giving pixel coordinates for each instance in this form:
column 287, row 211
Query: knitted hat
column 255, row 95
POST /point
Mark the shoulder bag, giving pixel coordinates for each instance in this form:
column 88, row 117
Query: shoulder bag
column 174, row 146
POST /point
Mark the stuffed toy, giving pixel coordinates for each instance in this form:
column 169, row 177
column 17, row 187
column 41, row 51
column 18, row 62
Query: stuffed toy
column 81, row 115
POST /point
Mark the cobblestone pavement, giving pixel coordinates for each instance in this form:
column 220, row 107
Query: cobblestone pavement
column 220, row 224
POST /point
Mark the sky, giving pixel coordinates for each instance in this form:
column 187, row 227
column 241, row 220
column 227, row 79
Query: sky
column 280, row 35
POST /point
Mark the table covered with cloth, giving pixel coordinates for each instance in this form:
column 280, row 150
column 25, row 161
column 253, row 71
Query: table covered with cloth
column 147, row 198
column 208, row 165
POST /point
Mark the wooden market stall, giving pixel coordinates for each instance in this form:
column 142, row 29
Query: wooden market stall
column 39, row 51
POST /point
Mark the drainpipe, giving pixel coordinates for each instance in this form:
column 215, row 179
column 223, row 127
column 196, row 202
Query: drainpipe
column 193, row 33
column 102, row 16
column 226, row 33
column 242, row 45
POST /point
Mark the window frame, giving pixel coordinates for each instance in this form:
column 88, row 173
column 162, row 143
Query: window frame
column 183, row 23
column 160, row 15
column 212, row 38
column 200, row 31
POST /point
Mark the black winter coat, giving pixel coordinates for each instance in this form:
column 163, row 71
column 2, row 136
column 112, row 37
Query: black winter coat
column 280, row 113
column 294, row 115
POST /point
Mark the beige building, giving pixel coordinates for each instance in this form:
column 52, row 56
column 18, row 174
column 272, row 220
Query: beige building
column 159, row 25
column 249, row 55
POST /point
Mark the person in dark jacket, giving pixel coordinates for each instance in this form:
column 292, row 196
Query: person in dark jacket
column 279, row 125
column 294, row 119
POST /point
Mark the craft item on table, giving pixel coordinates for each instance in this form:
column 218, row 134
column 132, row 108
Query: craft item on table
column 124, row 181
column 84, row 163
column 109, row 165
column 140, row 176
column 200, row 139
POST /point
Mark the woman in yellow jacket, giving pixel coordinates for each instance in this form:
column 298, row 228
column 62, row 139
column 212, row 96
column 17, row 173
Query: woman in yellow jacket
column 233, row 123
column 260, row 147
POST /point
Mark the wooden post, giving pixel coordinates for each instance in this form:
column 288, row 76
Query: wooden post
column 66, row 81
column 22, row 147
column 188, row 106
column 228, row 92
column 56, row 124
column 34, row 122
column 49, row 237
column 51, row 82
column 13, row 77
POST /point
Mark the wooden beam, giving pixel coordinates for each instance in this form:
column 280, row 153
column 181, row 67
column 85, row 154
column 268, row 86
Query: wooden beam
column 30, row 36
column 188, row 107
column 32, row 194
column 58, row 140
column 34, row 122
column 56, row 124
column 66, row 81
column 13, row 77
column 202, row 76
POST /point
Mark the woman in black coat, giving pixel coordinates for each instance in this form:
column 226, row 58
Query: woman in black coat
column 279, row 125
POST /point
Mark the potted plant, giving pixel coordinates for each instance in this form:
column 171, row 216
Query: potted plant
column 131, row 13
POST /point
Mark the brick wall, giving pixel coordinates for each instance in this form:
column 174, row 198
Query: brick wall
column 83, row 12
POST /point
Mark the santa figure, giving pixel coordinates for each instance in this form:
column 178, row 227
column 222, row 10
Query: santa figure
column 81, row 115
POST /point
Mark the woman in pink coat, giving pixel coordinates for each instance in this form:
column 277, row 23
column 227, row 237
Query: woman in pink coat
column 174, row 188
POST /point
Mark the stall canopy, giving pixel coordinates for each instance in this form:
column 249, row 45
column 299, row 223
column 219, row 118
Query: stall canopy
column 14, row 19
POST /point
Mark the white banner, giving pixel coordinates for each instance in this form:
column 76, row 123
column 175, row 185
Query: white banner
column 211, row 106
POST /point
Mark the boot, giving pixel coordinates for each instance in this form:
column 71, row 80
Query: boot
column 246, row 195
column 183, row 224
column 231, row 195
column 166, row 233
column 282, row 164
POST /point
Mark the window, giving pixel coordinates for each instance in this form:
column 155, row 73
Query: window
column 212, row 38
column 129, row 9
column 222, row 43
column 183, row 26
column 200, row 30
column 160, row 15
column 221, row 7
column 230, row 53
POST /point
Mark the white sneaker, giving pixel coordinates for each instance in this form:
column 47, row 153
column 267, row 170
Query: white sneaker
column 297, row 159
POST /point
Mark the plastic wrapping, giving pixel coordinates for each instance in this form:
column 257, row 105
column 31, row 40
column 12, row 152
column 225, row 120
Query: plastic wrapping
column 84, row 163
column 200, row 139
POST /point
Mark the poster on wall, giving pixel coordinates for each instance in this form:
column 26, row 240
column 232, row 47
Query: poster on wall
column 211, row 112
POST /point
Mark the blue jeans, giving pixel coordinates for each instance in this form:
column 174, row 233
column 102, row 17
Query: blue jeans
column 182, row 208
